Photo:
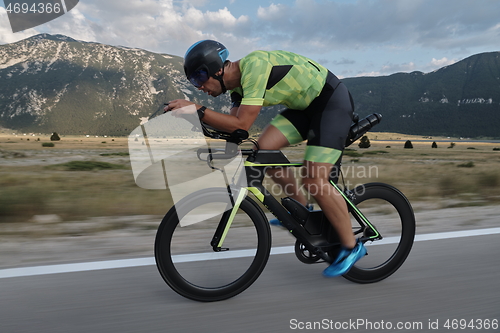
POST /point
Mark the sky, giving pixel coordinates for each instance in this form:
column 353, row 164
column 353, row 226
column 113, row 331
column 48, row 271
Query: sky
column 351, row 38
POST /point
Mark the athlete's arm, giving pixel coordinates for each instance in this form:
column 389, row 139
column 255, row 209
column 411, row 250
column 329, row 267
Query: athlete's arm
column 234, row 110
column 241, row 117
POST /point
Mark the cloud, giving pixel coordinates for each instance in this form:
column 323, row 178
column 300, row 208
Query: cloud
column 272, row 12
column 396, row 68
column 6, row 35
column 344, row 61
column 156, row 25
column 219, row 20
column 440, row 24
column 330, row 30
column 442, row 62
column 409, row 67
column 389, row 68
column 435, row 64
column 364, row 74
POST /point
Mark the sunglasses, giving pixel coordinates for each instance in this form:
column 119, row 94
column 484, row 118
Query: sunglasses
column 199, row 78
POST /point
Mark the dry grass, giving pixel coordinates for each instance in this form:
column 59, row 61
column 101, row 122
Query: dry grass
column 27, row 191
column 31, row 185
column 423, row 173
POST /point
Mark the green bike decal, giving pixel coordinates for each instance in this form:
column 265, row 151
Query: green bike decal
column 377, row 234
column 258, row 194
column 241, row 195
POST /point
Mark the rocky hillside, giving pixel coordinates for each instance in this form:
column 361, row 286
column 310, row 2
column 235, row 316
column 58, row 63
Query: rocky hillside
column 54, row 83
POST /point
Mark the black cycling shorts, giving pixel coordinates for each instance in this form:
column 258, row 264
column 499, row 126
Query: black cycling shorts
column 324, row 123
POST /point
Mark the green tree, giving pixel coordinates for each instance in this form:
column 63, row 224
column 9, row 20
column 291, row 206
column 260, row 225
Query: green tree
column 434, row 144
column 408, row 144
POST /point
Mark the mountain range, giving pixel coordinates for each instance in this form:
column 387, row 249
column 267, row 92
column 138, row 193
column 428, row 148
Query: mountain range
column 458, row 100
column 53, row 83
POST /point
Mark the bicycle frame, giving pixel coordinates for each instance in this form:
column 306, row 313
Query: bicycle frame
column 255, row 168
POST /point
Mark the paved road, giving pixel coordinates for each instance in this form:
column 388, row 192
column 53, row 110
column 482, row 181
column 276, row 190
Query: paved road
column 442, row 279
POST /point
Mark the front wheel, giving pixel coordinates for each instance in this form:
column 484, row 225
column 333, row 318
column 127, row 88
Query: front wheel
column 184, row 246
column 388, row 210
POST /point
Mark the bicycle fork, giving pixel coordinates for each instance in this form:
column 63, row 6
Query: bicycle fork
column 226, row 221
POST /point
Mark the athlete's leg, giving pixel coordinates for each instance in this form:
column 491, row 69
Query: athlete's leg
column 317, row 182
column 273, row 139
column 331, row 120
column 326, row 141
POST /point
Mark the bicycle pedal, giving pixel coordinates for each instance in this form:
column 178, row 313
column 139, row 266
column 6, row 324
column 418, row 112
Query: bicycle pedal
column 221, row 249
column 319, row 261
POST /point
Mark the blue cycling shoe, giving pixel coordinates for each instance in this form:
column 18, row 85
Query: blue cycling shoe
column 277, row 222
column 345, row 260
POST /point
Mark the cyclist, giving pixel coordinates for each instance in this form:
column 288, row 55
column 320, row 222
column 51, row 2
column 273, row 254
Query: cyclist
column 319, row 110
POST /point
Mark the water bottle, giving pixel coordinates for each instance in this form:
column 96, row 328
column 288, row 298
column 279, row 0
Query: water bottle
column 361, row 127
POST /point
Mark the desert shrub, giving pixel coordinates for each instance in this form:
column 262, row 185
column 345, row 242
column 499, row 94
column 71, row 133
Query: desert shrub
column 54, row 137
column 48, row 144
column 364, row 142
column 352, row 153
column 87, row 166
column 452, row 145
column 375, row 152
column 466, row 165
column 115, row 154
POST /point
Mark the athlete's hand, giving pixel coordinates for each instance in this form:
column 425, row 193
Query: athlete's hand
column 180, row 106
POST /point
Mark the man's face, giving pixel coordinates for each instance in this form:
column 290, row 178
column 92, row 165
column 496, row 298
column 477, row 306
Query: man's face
column 212, row 87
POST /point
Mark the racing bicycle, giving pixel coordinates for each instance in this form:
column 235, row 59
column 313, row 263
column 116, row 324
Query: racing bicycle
column 223, row 253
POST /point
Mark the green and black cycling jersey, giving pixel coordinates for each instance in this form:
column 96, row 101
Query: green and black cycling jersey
column 279, row 77
column 319, row 106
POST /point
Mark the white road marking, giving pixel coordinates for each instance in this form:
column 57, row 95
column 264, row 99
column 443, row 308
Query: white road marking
column 124, row 263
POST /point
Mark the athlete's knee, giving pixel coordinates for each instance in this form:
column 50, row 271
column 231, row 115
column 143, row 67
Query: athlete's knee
column 272, row 139
column 312, row 171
